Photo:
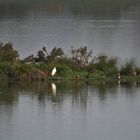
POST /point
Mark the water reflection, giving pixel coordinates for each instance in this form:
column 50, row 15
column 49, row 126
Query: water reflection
column 58, row 92
column 9, row 93
column 52, row 110
column 53, row 89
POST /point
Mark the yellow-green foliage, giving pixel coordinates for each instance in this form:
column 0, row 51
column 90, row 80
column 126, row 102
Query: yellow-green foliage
column 126, row 68
column 30, row 72
column 7, row 53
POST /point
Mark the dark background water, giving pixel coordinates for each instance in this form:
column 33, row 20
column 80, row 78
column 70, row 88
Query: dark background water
column 106, row 26
column 69, row 110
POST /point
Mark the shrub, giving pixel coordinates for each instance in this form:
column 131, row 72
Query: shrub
column 80, row 57
column 127, row 68
column 107, row 65
column 112, row 71
column 91, row 68
column 6, row 68
column 138, row 70
column 63, row 70
column 8, row 54
column 25, row 71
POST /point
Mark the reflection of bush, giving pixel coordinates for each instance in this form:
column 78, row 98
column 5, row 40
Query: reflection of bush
column 42, row 91
column 9, row 92
column 34, row 86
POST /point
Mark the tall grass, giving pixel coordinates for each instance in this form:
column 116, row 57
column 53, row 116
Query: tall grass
column 128, row 67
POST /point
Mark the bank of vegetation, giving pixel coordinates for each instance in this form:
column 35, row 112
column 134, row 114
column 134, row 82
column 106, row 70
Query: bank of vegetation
column 79, row 64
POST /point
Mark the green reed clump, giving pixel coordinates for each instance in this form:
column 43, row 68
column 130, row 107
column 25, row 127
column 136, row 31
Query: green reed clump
column 138, row 70
column 4, row 67
column 64, row 70
column 128, row 67
column 106, row 66
column 24, row 71
column 7, row 68
column 30, row 72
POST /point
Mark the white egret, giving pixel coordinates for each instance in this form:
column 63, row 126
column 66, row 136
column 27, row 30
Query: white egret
column 53, row 71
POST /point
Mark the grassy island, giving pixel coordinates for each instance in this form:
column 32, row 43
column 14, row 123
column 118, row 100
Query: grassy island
column 78, row 65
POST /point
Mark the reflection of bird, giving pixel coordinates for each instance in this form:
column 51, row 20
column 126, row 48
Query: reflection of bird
column 119, row 76
column 53, row 89
column 53, row 71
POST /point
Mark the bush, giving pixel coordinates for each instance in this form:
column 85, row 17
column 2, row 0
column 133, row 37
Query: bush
column 8, row 54
column 138, row 70
column 63, row 70
column 127, row 68
column 91, row 68
column 25, row 71
column 80, row 57
column 112, row 71
column 107, row 65
column 6, row 67
column 43, row 66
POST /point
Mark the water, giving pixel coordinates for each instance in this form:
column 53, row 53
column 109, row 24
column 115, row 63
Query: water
column 105, row 26
column 69, row 110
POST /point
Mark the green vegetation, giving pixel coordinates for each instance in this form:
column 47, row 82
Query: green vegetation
column 7, row 53
column 80, row 64
column 129, row 68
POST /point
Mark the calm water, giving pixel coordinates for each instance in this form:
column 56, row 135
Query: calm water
column 69, row 111
column 106, row 26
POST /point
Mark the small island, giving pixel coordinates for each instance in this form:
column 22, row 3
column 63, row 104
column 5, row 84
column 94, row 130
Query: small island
column 80, row 64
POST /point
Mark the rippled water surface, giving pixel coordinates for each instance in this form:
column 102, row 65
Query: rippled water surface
column 68, row 110
column 106, row 26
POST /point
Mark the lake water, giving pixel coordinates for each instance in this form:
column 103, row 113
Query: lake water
column 105, row 26
column 69, row 111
